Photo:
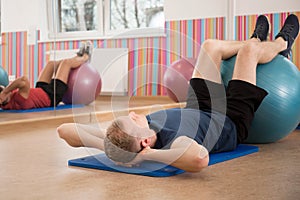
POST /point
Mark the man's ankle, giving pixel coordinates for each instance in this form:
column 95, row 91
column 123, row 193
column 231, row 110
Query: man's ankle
column 283, row 44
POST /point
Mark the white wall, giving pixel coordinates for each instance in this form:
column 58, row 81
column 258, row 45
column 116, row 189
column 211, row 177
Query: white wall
column 28, row 15
column 195, row 9
column 266, row 6
column 23, row 15
column 199, row 9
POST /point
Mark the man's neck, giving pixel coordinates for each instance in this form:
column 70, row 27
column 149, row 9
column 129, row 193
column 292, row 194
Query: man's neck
column 153, row 140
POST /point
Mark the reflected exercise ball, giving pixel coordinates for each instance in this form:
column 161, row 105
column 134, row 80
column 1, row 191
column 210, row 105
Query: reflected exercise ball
column 3, row 77
column 176, row 78
column 84, row 85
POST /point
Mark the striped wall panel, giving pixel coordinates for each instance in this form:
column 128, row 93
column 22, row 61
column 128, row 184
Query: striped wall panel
column 148, row 57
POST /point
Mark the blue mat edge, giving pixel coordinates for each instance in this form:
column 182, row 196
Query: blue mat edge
column 243, row 150
column 59, row 107
column 158, row 173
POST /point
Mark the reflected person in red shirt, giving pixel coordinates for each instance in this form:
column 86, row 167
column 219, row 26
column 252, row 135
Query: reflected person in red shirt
column 49, row 90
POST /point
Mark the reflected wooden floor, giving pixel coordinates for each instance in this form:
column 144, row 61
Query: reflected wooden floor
column 34, row 165
column 103, row 109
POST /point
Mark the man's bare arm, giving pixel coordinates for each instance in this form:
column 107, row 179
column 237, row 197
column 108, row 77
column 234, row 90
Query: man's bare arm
column 21, row 83
column 80, row 135
column 184, row 153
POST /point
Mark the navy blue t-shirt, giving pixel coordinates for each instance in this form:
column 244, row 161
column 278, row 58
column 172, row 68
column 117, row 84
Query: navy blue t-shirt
column 213, row 130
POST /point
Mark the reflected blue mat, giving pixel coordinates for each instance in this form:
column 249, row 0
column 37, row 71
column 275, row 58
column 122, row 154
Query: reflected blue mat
column 155, row 169
column 59, row 107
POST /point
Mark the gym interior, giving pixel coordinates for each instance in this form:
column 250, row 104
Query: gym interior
column 133, row 54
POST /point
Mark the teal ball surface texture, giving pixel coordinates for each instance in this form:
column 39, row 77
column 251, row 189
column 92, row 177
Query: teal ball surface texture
column 279, row 113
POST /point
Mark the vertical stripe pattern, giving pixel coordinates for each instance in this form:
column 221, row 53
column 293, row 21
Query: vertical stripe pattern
column 148, row 57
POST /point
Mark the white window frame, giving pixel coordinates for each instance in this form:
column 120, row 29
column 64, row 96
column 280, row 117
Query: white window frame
column 52, row 9
column 103, row 31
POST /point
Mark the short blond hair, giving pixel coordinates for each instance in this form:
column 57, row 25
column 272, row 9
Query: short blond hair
column 119, row 146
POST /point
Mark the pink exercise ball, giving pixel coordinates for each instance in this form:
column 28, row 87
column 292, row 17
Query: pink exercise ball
column 84, row 85
column 176, row 78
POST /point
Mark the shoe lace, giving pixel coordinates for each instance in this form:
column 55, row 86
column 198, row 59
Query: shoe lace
column 258, row 29
column 289, row 29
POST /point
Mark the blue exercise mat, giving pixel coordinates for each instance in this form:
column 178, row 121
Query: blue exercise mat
column 59, row 107
column 155, row 169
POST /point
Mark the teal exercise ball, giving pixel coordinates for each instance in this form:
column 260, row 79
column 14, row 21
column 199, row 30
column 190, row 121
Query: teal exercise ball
column 3, row 77
column 279, row 113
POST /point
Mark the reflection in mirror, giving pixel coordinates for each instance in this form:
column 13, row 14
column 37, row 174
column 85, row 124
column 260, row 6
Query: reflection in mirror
column 71, row 16
column 23, row 53
column 27, row 84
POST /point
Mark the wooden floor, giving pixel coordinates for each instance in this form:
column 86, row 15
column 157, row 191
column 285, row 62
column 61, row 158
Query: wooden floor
column 33, row 163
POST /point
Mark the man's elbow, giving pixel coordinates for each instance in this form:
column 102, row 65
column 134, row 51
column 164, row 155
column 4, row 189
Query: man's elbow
column 61, row 132
column 66, row 132
column 201, row 159
column 199, row 164
column 24, row 81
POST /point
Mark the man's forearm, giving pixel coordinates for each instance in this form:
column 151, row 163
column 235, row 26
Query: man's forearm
column 76, row 136
column 93, row 129
column 167, row 156
column 178, row 158
column 190, row 158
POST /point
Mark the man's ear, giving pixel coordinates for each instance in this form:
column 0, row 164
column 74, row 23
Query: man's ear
column 146, row 142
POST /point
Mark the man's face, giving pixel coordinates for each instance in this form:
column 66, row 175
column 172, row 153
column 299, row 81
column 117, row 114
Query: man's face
column 139, row 120
column 135, row 125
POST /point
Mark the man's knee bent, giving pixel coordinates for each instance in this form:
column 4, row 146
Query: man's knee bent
column 210, row 45
column 251, row 50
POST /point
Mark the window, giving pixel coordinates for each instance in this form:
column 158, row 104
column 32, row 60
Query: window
column 134, row 18
column 74, row 18
column 90, row 18
column 136, row 14
column 76, row 15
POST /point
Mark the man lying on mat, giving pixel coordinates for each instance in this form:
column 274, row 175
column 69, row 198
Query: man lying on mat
column 50, row 87
column 214, row 120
